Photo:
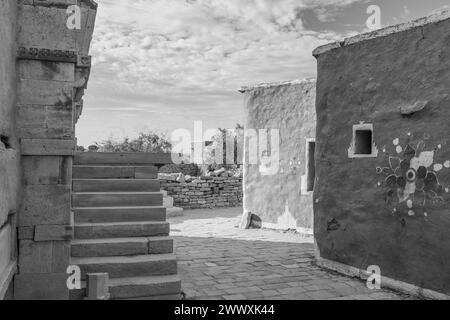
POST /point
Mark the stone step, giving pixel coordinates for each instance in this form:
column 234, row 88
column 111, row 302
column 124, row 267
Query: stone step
column 122, row 158
column 139, row 288
column 121, row 230
column 153, row 288
column 122, row 267
column 169, row 297
column 121, row 247
column 116, row 185
column 119, row 214
column 114, row 172
column 116, row 199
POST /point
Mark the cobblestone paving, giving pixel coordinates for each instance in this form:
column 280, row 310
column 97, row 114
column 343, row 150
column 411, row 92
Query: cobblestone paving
column 218, row 261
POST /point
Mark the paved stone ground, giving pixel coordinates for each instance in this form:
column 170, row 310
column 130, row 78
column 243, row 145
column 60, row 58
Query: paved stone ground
column 218, row 261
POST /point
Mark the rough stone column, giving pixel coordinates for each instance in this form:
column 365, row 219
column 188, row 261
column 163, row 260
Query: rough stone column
column 53, row 69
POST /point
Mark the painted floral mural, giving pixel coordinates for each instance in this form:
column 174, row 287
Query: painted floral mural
column 412, row 177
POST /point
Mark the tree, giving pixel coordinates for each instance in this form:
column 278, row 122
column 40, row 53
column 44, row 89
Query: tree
column 151, row 142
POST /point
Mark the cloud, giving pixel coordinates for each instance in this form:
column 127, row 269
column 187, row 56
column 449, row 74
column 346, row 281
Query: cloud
column 191, row 56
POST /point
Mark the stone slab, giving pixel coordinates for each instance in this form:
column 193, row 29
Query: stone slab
column 46, row 93
column 45, row 122
column 53, row 233
column 43, row 257
column 25, row 233
column 35, row 21
column 47, row 147
column 46, row 70
column 41, row 287
column 104, row 158
column 47, row 170
column 45, row 205
column 146, row 172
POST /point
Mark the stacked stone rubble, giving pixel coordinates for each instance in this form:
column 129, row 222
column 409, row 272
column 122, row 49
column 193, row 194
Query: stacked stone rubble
column 53, row 70
column 203, row 192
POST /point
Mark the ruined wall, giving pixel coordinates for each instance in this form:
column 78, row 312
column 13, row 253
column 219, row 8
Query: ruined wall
column 53, row 69
column 203, row 192
column 281, row 200
column 391, row 209
column 9, row 146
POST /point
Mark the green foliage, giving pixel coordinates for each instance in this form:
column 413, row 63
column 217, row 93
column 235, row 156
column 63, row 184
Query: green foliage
column 151, row 142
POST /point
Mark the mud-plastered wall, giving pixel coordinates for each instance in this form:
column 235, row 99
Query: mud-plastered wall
column 280, row 197
column 383, row 153
column 9, row 147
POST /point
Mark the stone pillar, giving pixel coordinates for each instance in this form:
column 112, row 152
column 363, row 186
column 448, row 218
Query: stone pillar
column 53, row 70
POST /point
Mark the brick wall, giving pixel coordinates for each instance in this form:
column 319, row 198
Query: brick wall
column 203, row 192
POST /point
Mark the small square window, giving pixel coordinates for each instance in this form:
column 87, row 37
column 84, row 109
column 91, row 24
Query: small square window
column 363, row 142
column 363, row 145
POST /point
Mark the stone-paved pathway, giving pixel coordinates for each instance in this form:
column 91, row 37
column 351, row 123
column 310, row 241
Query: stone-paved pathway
column 219, row 261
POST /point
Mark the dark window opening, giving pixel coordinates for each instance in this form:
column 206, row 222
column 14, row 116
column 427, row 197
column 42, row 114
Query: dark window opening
column 5, row 141
column 363, row 142
column 311, row 165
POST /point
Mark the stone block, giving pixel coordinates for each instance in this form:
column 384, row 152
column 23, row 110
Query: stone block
column 97, row 286
column 46, row 70
column 41, row 286
column 45, row 205
column 45, row 122
column 25, row 233
column 36, row 21
column 47, row 147
column 53, row 233
column 46, row 93
column 146, row 172
column 47, row 170
column 43, row 257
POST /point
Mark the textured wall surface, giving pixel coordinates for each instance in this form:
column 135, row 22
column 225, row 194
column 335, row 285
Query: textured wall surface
column 9, row 154
column 204, row 192
column 53, row 70
column 392, row 210
column 278, row 199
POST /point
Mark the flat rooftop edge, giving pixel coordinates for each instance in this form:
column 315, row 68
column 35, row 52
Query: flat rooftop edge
column 434, row 18
column 277, row 84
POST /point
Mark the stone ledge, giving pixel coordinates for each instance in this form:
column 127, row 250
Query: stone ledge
column 54, row 55
column 277, row 84
column 435, row 18
column 386, row 282
column 58, row 3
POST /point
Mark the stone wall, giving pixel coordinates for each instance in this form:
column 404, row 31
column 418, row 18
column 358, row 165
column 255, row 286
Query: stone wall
column 9, row 147
column 390, row 206
column 281, row 199
column 53, row 69
column 203, row 192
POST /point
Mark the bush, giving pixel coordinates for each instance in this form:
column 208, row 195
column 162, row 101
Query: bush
column 170, row 168
column 145, row 142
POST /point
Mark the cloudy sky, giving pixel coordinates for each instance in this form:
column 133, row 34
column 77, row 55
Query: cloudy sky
column 162, row 64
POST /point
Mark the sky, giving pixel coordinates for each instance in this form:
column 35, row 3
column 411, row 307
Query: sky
column 160, row 65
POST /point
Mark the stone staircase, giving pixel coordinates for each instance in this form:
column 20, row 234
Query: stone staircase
column 121, row 229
